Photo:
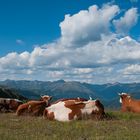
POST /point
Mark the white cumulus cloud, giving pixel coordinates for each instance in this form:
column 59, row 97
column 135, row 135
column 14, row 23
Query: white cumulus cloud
column 87, row 25
column 88, row 50
column 125, row 23
column 133, row 69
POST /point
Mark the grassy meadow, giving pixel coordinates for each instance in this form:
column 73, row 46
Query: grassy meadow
column 121, row 126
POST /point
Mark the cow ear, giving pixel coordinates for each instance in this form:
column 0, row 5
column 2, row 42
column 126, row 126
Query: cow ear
column 119, row 94
column 50, row 97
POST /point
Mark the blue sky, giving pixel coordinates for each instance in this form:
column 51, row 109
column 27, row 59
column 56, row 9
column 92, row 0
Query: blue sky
column 37, row 22
column 37, row 29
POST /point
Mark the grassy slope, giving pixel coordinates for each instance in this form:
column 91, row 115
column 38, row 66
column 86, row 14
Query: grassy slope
column 124, row 127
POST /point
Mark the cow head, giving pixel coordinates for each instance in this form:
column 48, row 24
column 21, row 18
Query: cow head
column 46, row 98
column 97, row 109
column 95, row 106
column 124, row 96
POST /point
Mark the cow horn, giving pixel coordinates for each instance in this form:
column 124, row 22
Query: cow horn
column 79, row 102
column 119, row 94
column 90, row 98
column 41, row 96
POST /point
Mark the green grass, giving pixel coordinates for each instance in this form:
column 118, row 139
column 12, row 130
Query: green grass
column 119, row 126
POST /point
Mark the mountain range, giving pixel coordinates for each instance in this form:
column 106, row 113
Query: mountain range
column 10, row 93
column 107, row 93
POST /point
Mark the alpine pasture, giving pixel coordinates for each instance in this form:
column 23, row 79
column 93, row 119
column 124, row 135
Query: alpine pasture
column 117, row 126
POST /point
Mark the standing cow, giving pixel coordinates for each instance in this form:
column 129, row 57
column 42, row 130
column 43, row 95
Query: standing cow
column 129, row 104
column 9, row 105
column 34, row 108
column 73, row 109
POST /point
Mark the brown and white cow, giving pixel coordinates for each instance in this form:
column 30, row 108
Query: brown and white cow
column 73, row 109
column 34, row 108
column 129, row 104
column 9, row 105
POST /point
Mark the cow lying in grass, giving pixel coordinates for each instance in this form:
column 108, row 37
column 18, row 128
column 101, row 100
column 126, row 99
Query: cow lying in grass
column 73, row 109
column 9, row 105
column 34, row 108
column 129, row 104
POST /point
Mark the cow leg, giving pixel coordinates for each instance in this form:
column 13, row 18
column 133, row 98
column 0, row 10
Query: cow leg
column 36, row 111
column 21, row 111
column 126, row 109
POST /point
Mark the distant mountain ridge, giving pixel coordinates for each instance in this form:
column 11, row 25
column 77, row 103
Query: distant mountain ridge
column 10, row 93
column 107, row 93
